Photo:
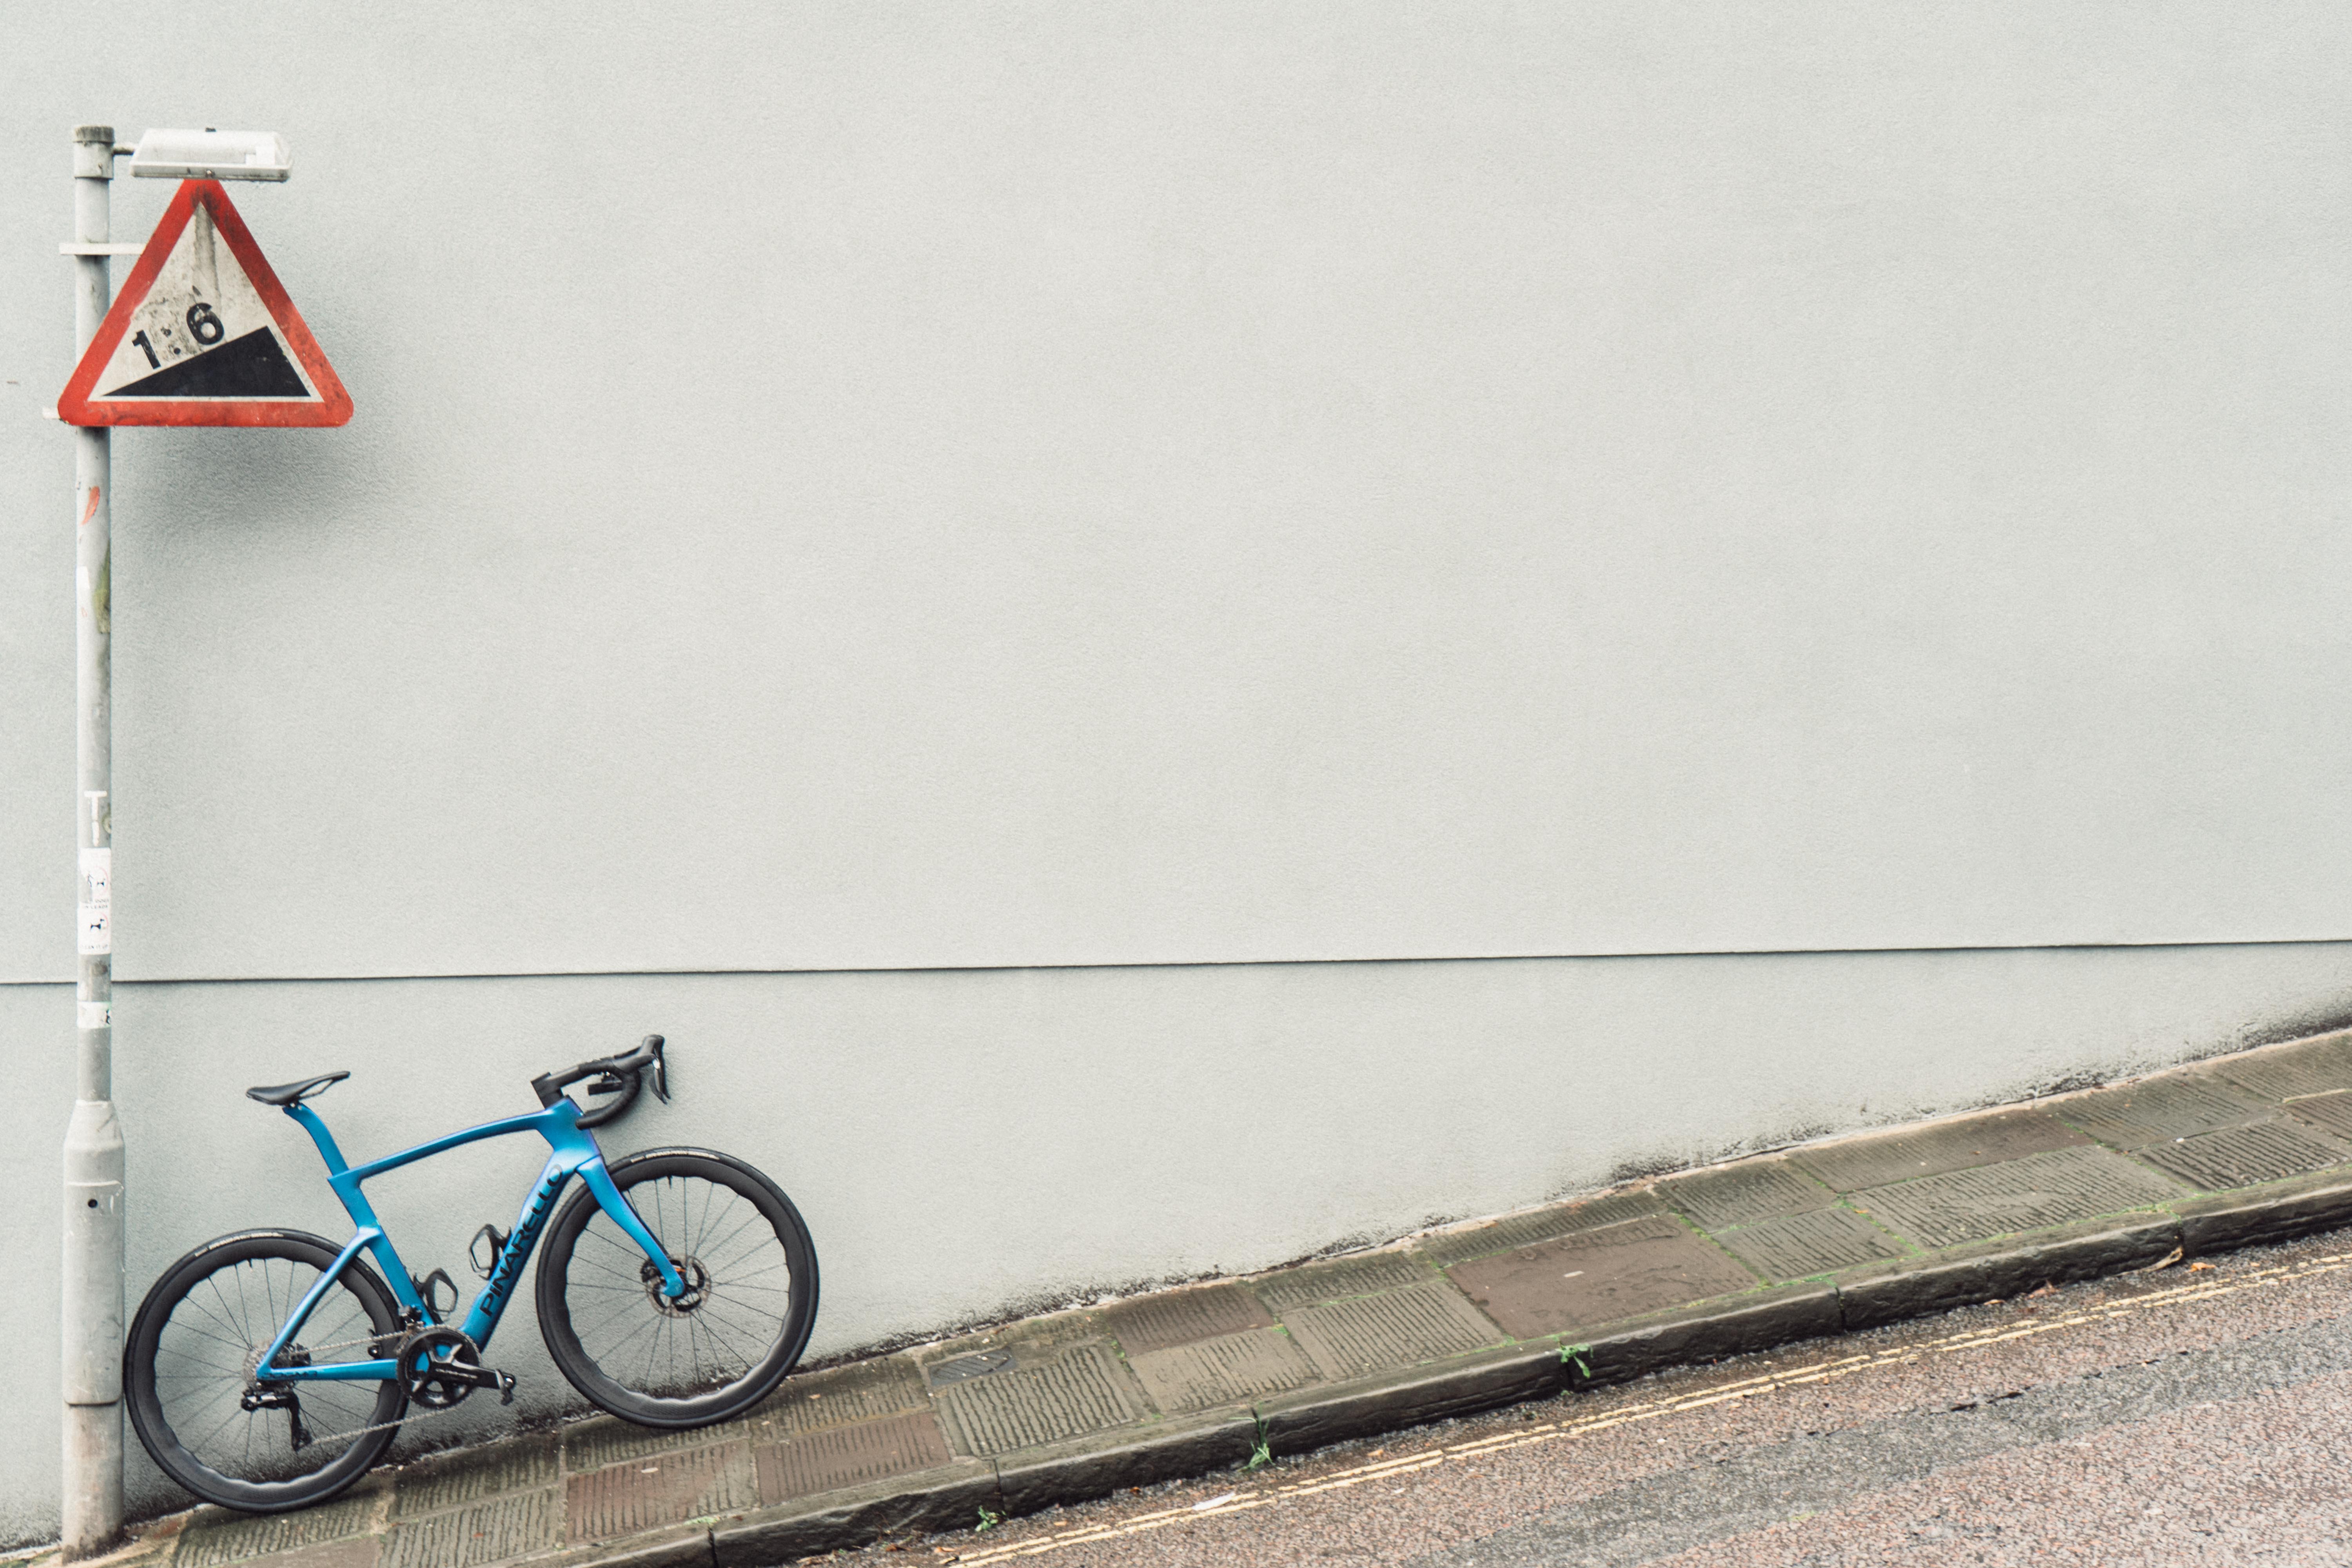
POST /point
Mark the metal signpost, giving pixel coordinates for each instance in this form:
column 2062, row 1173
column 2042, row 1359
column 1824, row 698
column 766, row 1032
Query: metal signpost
column 93, row 1230
column 203, row 334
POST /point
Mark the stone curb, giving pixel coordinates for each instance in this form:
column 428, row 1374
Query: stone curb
column 682, row 1546
column 947, row 1497
column 2259, row 1215
column 1735, row 1326
column 1993, row 1271
column 1309, row 1419
column 1088, row 1469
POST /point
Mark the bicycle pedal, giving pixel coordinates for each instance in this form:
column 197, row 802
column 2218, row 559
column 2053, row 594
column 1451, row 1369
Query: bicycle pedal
column 506, row 1387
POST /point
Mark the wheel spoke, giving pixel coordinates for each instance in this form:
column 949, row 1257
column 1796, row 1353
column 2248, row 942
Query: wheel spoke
column 715, row 1346
column 227, row 1328
column 625, row 1311
column 709, row 1326
column 631, row 1275
column 208, row 1439
column 755, row 1217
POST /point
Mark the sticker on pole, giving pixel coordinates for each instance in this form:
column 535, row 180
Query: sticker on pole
column 202, row 333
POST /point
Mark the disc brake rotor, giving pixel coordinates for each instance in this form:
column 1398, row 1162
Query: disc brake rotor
column 698, row 1286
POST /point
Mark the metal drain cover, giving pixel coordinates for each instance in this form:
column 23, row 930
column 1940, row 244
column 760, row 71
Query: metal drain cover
column 964, row 1368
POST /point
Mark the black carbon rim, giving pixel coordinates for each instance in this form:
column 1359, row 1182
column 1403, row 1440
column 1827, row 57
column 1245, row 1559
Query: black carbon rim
column 188, row 1358
column 726, row 1345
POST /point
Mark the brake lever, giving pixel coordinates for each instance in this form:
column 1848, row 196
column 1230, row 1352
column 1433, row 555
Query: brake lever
column 661, row 1069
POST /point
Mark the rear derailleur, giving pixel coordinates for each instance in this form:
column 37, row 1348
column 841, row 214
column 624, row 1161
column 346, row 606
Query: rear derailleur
column 263, row 1395
column 278, row 1397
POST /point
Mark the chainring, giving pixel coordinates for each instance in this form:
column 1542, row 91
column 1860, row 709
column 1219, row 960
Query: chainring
column 424, row 1350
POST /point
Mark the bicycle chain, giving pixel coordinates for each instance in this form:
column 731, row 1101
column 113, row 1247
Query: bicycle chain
column 410, row 1419
column 410, row 1414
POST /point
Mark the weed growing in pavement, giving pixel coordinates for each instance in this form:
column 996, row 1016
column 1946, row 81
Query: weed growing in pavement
column 1264, row 1452
column 989, row 1520
column 1574, row 1355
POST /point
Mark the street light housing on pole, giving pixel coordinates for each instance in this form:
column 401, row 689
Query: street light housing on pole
column 210, row 154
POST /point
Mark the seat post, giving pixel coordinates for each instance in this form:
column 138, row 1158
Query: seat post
column 336, row 1166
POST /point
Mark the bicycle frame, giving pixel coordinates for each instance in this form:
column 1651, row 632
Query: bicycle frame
column 573, row 1153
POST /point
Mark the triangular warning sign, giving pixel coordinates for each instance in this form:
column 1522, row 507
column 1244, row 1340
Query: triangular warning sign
column 202, row 333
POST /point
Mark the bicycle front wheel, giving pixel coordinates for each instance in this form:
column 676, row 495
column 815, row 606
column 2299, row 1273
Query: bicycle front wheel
column 189, row 1372
column 714, row 1353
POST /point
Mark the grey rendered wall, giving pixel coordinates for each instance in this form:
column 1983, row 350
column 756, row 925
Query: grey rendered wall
column 859, row 487
column 888, row 489
column 966, row 1144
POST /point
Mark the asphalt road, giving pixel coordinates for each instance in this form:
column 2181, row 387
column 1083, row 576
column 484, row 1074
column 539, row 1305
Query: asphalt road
column 2173, row 1417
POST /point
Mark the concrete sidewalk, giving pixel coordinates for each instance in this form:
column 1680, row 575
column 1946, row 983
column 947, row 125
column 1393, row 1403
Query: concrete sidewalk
column 1835, row 1235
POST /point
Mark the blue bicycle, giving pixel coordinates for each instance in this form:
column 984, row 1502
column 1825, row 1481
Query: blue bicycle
column 268, row 1369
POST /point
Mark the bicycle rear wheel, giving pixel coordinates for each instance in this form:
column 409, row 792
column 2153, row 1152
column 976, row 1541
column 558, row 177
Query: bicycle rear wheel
column 188, row 1368
column 717, row 1351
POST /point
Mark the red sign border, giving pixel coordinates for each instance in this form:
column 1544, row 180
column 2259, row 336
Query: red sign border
column 73, row 405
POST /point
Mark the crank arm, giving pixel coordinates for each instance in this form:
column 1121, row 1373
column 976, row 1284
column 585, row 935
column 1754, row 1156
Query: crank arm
column 477, row 1377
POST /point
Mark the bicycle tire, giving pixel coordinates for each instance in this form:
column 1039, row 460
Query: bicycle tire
column 176, row 1382
column 724, row 1346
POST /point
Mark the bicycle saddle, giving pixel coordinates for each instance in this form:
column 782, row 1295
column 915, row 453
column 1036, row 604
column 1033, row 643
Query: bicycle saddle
column 288, row 1093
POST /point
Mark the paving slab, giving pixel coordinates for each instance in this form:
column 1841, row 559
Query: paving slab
column 1797, row 1246
column 837, row 1395
column 1228, row 1370
column 2329, row 1114
column 642, row 1494
column 1745, row 1192
column 1934, row 1148
column 1364, row 1335
column 808, row 1401
column 2158, row 1109
column 1084, row 1389
column 2320, row 1065
column 1181, row 1317
column 852, row 1456
column 150, row 1546
column 1447, row 1247
column 1029, row 1343
column 1561, row 1286
column 1364, row 1275
column 470, row 1475
column 358, row 1552
column 479, row 1533
column 2243, row 1156
column 216, row 1536
column 2038, row 1191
